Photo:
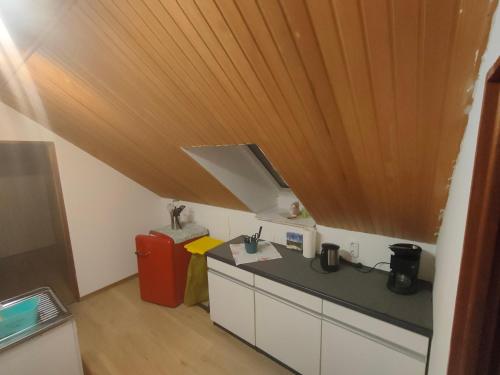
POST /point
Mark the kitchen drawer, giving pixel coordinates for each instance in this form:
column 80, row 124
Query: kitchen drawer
column 290, row 294
column 231, row 271
column 386, row 332
column 344, row 352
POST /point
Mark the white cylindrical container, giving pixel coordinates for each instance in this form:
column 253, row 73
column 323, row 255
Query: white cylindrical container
column 309, row 243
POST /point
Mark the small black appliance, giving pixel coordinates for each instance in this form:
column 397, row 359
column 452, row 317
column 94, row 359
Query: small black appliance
column 404, row 268
column 329, row 257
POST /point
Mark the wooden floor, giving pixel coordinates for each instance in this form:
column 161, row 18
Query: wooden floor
column 121, row 334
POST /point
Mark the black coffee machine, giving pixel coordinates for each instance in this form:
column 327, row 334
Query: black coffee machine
column 404, row 268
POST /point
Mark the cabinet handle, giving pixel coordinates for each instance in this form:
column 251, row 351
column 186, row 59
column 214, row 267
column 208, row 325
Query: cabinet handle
column 377, row 339
column 229, row 278
column 288, row 303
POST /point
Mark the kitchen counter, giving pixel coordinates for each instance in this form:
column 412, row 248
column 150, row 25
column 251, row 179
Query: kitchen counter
column 363, row 292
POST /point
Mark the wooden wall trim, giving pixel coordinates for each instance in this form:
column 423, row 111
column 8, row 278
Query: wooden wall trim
column 62, row 220
column 476, row 316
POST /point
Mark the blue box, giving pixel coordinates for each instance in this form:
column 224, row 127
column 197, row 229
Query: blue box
column 19, row 316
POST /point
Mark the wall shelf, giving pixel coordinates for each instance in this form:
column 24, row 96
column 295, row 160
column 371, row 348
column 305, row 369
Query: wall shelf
column 279, row 216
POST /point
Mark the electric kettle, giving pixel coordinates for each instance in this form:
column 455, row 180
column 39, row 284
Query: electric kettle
column 329, row 257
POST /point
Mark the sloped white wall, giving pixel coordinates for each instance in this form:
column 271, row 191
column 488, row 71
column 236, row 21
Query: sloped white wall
column 105, row 209
column 451, row 236
column 238, row 169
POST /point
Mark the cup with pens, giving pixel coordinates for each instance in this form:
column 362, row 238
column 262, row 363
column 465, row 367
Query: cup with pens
column 252, row 241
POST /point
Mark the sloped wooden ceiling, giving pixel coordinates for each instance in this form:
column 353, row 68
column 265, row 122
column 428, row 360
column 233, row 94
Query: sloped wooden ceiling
column 360, row 105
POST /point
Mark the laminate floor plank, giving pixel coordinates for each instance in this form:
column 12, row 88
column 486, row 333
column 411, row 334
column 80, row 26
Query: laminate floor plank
column 121, row 334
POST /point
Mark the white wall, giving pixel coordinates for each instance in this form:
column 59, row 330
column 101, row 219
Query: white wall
column 225, row 224
column 235, row 167
column 451, row 236
column 105, row 209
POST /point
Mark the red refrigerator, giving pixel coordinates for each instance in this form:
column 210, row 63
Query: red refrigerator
column 162, row 268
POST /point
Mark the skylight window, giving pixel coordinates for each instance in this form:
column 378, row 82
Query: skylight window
column 267, row 164
column 245, row 171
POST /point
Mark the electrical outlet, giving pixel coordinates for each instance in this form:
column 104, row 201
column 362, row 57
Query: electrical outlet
column 354, row 249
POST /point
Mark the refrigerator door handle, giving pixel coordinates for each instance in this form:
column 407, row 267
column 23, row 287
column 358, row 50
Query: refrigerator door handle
column 143, row 254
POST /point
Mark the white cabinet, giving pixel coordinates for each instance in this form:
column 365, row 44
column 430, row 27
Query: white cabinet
column 288, row 333
column 53, row 352
column 308, row 334
column 346, row 352
column 232, row 305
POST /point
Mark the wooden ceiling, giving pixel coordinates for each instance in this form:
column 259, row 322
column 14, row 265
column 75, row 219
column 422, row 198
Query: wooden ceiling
column 360, row 105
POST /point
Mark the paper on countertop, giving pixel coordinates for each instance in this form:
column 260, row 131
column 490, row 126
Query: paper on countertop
column 265, row 251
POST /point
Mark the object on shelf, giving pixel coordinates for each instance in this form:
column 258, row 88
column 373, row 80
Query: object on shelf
column 294, row 210
column 251, row 242
column 294, row 241
column 404, row 268
column 309, row 243
column 175, row 212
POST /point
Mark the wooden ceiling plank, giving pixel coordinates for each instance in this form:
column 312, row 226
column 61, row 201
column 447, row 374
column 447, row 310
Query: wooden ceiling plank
column 91, row 103
column 189, row 38
column 339, row 89
column 301, row 139
column 439, row 22
column 167, row 53
column 403, row 21
column 354, row 39
column 172, row 40
column 247, row 87
column 378, row 50
column 118, row 74
column 176, row 91
column 334, row 147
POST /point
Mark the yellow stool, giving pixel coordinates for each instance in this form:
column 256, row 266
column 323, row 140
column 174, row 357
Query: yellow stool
column 197, row 276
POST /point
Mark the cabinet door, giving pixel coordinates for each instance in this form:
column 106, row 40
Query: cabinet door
column 289, row 334
column 232, row 306
column 55, row 351
column 344, row 352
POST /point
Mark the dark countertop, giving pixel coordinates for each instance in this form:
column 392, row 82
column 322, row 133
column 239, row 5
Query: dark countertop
column 366, row 293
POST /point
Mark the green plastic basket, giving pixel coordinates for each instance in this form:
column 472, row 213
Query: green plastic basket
column 19, row 316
